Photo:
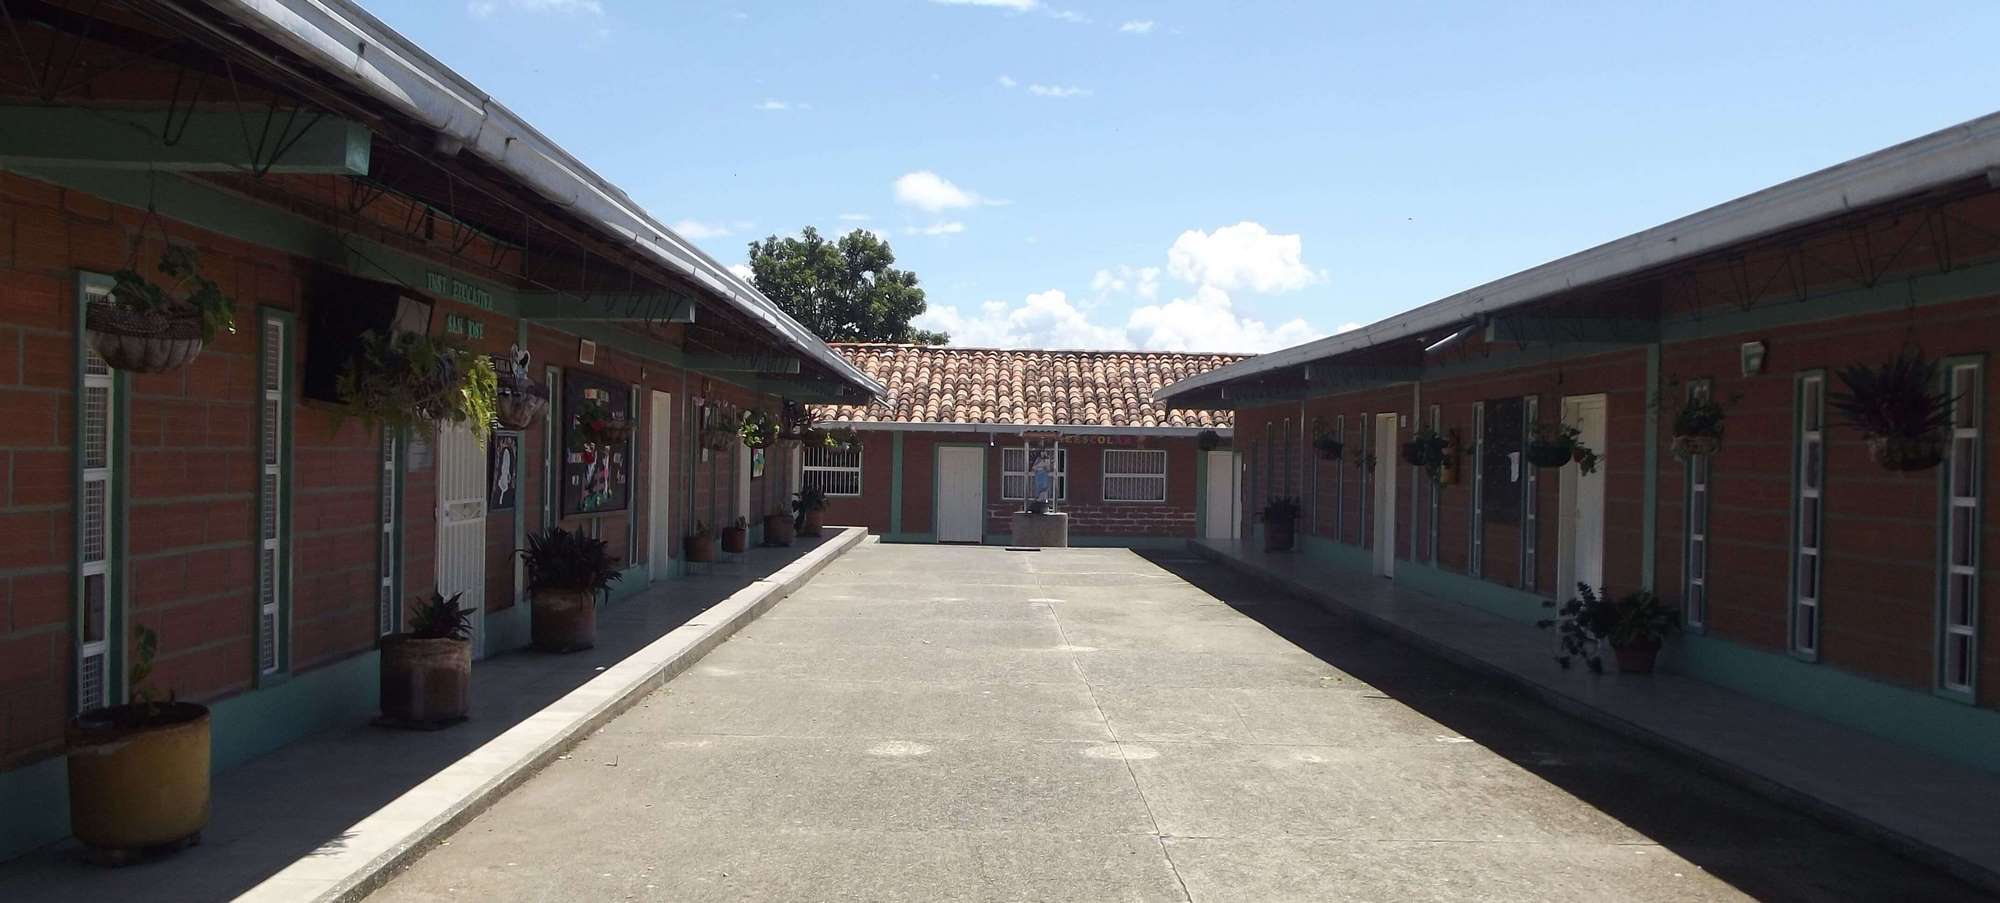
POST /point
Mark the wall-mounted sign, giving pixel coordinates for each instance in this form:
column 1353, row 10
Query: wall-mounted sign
column 586, row 351
column 459, row 324
column 596, row 474
column 1103, row 440
column 458, row 290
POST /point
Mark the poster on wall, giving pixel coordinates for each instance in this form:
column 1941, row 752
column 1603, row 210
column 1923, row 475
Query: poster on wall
column 503, row 469
column 756, row 464
column 597, row 445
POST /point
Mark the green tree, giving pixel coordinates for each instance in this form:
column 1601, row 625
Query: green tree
column 844, row 291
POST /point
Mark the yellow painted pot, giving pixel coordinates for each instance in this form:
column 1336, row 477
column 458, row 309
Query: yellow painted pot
column 138, row 783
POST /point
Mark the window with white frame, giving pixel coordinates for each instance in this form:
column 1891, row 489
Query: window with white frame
column 385, row 597
column 273, row 560
column 1475, row 559
column 1135, row 475
column 1696, row 544
column 1809, row 480
column 99, row 589
column 1959, row 640
column 834, row 471
column 1016, row 474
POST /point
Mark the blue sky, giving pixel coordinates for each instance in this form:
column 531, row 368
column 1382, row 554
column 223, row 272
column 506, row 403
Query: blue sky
column 1207, row 176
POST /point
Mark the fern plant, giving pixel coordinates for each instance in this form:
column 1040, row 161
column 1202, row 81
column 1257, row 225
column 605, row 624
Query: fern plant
column 409, row 381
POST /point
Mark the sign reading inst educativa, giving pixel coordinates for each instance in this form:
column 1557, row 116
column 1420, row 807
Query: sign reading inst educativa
column 458, row 290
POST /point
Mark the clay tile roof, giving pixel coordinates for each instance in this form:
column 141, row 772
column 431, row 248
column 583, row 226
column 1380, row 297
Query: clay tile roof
column 936, row 384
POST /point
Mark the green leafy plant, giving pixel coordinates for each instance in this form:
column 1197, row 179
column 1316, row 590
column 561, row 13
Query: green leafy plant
column 597, row 424
column 1592, row 618
column 1426, row 450
column 558, row 559
column 439, row 618
column 841, row 437
column 1897, row 400
column 411, row 381
column 808, row 499
column 1280, row 510
column 758, row 429
column 1556, row 444
column 145, row 646
column 1329, row 446
column 188, row 294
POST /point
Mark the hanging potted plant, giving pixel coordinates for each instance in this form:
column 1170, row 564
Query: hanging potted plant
column 1328, row 446
column 699, row 547
column 1636, row 625
column 138, row 772
column 758, row 429
column 778, row 529
column 519, row 400
column 736, row 537
column 1208, row 440
column 1898, row 409
column 427, row 671
column 1447, row 472
column 410, row 381
column 1280, row 517
column 566, row 571
column 1425, row 450
column 597, row 424
column 1557, row 444
column 809, row 504
column 146, row 327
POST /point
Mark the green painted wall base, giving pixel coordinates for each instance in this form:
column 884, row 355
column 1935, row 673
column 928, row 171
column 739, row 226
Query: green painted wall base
column 632, row 581
column 509, row 629
column 242, row 728
column 1965, row 734
column 1321, row 549
column 926, row 538
column 1492, row 598
column 1080, row 542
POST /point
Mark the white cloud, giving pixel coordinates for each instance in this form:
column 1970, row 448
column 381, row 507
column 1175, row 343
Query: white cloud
column 1137, row 26
column 1019, row 6
column 1044, row 320
column 1245, row 256
column 1348, row 326
column 775, row 104
column 855, row 217
column 483, row 8
column 938, row 228
column 1141, row 281
column 698, row 230
column 1069, row 15
column 1058, row 91
column 1007, row 81
column 742, row 271
column 1207, row 321
column 930, row 192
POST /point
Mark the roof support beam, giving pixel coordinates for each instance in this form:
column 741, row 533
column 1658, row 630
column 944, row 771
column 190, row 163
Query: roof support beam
column 548, row 307
column 259, row 141
column 743, row 363
column 1341, row 374
column 1572, row 330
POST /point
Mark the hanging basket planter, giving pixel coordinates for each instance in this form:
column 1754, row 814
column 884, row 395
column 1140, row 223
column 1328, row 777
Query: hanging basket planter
column 758, row 429
column 1208, row 440
column 142, row 341
column 408, row 381
column 1328, row 447
column 1906, row 454
column 520, row 402
column 1557, row 444
column 1686, row 447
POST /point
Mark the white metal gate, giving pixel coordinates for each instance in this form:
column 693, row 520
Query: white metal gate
column 461, row 525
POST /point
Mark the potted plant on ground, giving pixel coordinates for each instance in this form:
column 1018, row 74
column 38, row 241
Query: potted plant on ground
column 138, row 772
column 758, row 429
column 1208, row 440
column 1280, row 517
column 408, row 381
column 1898, row 409
column 1635, row 625
column 700, row 545
column 1557, row 444
column 145, row 327
column 809, row 506
column 778, row 529
column 1425, row 450
column 736, row 537
column 566, row 571
column 1328, row 446
column 427, row 671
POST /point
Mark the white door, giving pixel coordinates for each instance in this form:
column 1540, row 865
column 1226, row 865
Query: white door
column 961, row 503
column 461, row 525
column 659, row 481
column 1580, row 543
column 743, row 482
column 1384, row 501
column 1223, row 522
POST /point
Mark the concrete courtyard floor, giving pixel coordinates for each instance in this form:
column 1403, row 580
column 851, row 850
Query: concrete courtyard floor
column 968, row 723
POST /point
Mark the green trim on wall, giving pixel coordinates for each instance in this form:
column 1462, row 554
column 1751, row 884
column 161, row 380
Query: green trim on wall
column 1919, row 290
column 896, row 483
column 37, row 810
column 1336, row 554
column 1958, row 732
column 1649, row 525
column 1104, row 542
column 926, row 538
column 1505, row 601
column 204, row 140
column 631, row 582
column 1200, row 492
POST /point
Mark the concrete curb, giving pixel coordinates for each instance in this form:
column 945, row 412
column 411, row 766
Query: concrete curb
column 373, row 848
column 1733, row 772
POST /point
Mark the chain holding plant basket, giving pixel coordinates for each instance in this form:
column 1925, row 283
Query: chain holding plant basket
column 597, row 424
column 409, row 381
column 146, row 327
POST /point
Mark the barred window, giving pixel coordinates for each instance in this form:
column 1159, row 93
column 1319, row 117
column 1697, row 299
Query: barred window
column 1016, row 475
column 834, row 471
column 1135, row 475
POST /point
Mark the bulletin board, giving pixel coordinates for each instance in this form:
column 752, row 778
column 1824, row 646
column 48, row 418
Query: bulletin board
column 596, row 476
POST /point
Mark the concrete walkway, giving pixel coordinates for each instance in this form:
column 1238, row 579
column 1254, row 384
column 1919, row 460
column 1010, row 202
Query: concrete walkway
column 964, row 723
column 313, row 819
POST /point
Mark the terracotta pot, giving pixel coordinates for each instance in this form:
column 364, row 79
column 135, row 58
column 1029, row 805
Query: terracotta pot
column 142, row 342
column 815, row 522
column 700, row 549
column 563, row 620
column 777, row 530
column 1686, row 447
column 1636, row 658
column 735, row 539
column 139, row 785
column 1280, row 535
column 1906, row 453
column 426, row 683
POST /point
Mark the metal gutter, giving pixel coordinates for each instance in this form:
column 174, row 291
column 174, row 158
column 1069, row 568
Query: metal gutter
column 1963, row 151
column 1067, row 429
column 342, row 38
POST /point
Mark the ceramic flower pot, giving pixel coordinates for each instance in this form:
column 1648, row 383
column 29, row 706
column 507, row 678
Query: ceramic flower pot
column 563, row 620
column 1906, row 453
column 814, row 523
column 1280, row 535
column 735, row 540
column 1686, row 447
column 778, row 530
column 700, row 548
column 1636, row 658
column 138, row 778
column 426, row 683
